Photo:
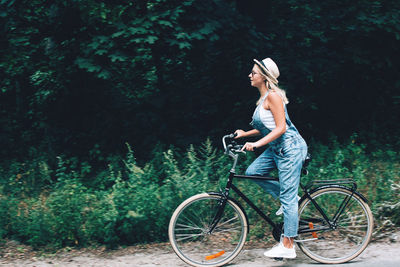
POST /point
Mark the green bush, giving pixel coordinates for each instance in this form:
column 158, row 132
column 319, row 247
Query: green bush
column 3, row 215
column 128, row 203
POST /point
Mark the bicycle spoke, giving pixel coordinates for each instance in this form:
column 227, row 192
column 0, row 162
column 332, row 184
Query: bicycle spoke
column 190, row 221
column 228, row 221
column 231, row 229
column 187, row 227
column 356, row 226
column 187, row 236
column 190, row 234
column 347, row 238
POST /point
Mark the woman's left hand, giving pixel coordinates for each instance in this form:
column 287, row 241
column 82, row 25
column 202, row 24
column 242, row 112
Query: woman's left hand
column 249, row 146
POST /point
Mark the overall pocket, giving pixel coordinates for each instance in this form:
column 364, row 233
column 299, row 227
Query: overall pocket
column 288, row 146
column 286, row 149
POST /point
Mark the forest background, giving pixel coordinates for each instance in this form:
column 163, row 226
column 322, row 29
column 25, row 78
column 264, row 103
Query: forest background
column 112, row 111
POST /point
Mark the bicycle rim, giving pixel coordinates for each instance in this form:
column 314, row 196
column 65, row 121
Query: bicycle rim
column 351, row 234
column 189, row 231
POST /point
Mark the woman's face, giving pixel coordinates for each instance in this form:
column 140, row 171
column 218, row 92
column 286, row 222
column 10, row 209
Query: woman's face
column 256, row 78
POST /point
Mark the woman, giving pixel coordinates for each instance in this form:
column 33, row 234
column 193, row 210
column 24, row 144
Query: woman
column 286, row 152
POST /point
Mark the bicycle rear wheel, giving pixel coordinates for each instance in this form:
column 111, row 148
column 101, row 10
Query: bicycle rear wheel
column 190, row 225
column 347, row 238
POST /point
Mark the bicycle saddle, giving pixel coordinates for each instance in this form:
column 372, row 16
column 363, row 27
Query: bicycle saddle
column 307, row 160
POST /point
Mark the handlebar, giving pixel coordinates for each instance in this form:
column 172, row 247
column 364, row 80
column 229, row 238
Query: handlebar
column 232, row 146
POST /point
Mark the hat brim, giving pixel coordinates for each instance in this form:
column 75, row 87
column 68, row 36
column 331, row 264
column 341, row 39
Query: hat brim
column 266, row 71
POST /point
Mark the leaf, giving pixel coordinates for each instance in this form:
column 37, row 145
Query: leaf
column 183, row 45
column 10, row 2
column 103, row 39
column 118, row 34
column 207, row 29
column 188, row 3
column 84, row 63
column 104, row 74
column 94, row 45
column 151, row 39
column 20, row 40
column 147, row 24
column 165, row 23
column 197, row 36
column 136, row 40
column 103, row 15
column 100, row 52
column 118, row 57
column 137, row 30
column 181, row 35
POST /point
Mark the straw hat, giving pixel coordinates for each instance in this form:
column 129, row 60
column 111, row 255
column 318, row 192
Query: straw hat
column 269, row 67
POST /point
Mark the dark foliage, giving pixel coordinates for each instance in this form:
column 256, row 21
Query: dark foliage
column 80, row 74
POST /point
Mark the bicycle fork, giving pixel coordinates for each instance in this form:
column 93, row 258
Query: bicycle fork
column 218, row 215
column 222, row 203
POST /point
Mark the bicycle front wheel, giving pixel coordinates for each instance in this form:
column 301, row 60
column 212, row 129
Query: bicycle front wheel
column 190, row 235
column 348, row 233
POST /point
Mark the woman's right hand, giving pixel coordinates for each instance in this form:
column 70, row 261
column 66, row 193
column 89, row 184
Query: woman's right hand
column 239, row 134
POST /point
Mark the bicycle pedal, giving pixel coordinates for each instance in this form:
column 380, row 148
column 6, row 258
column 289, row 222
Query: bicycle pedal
column 278, row 259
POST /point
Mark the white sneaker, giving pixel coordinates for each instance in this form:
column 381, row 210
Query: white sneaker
column 280, row 251
column 280, row 211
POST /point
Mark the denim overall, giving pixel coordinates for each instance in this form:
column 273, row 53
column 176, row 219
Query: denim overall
column 286, row 153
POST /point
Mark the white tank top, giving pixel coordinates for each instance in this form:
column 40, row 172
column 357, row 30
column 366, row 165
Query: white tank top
column 267, row 118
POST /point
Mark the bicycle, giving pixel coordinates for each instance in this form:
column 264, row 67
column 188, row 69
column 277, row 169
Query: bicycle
column 210, row 229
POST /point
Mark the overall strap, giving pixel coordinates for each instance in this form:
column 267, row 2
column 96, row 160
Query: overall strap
column 288, row 121
column 263, row 98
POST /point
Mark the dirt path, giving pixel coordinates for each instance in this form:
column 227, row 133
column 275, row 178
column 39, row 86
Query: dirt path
column 383, row 253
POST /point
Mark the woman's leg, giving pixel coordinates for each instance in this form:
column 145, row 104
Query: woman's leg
column 289, row 161
column 289, row 167
column 262, row 166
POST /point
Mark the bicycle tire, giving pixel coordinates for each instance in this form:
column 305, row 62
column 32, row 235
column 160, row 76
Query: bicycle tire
column 351, row 235
column 189, row 226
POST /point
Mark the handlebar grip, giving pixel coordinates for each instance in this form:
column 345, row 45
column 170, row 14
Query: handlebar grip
column 238, row 147
column 232, row 135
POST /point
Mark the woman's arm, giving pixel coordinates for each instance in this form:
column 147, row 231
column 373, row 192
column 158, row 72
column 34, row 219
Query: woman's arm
column 241, row 133
column 274, row 103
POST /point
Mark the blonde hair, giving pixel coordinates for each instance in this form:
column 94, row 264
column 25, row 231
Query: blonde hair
column 274, row 87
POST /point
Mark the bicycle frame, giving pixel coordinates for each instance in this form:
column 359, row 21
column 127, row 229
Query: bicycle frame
column 331, row 223
column 308, row 190
column 225, row 195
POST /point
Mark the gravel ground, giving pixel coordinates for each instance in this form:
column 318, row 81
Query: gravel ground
column 383, row 253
